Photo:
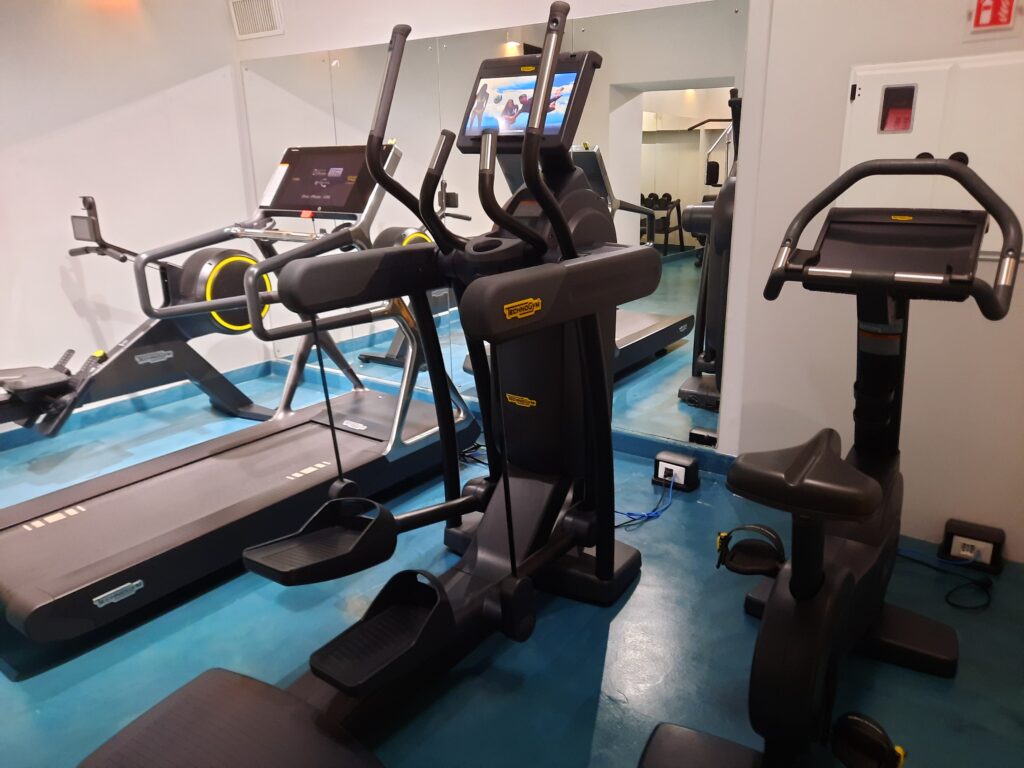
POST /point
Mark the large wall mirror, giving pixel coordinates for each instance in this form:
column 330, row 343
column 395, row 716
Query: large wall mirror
column 657, row 112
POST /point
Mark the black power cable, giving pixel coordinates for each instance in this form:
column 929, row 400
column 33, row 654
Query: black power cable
column 982, row 584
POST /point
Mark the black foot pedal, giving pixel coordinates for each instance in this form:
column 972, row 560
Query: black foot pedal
column 344, row 536
column 861, row 742
column 916, row 642
column 672, row 746
column 408, row 622
column 753, row 557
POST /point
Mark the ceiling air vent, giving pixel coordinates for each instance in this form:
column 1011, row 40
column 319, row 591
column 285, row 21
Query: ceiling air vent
column 256, row 18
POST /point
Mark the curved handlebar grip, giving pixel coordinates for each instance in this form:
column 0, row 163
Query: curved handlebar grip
column 375, row 141
column 396, row 48
column 191, row 308
column 647, row 213
column 485, row 188
column 558, row 15
column 535, row 130
column 446, row 240
column 442, row 151
column 255, row 299
column 994, row 301
column 546, row 70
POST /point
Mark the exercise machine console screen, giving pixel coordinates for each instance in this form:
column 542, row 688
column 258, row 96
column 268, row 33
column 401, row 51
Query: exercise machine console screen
column 331, row 182
column 502, row 99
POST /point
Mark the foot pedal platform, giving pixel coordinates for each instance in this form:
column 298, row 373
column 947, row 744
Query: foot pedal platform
column 753, row 557
column 673, row 745
column 408, row 622
column 916, row 642
column 345, row 536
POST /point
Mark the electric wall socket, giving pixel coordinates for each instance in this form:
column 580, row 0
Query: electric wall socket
column 982, row 545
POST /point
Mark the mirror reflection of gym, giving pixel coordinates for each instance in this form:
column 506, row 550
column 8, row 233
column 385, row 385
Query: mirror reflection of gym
column 614, row 125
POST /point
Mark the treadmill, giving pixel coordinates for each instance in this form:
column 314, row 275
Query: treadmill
column 638, row 335
column 80, row 558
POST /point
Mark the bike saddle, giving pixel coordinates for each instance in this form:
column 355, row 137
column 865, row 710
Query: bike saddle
column 811, row 480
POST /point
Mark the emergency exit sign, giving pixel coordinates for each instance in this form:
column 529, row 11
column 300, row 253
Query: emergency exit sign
column 990, row 15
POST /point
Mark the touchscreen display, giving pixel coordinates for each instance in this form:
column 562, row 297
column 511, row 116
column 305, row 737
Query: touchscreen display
column 503, row 104
column 320, row 179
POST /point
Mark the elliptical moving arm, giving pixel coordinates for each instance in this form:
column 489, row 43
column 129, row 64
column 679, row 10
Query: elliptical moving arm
column 446, row 240
column 497, row 214
column 535, row 130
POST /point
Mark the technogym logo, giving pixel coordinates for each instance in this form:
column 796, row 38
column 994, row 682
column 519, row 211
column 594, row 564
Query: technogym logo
column 153, row 358
column 521, row 401
column 519, row 310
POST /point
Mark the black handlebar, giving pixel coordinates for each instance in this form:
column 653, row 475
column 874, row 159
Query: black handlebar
column 396, row 49
column 446, row 240
column 375, row 142
column 256, row 299
column 182, row 246
column 534, row 134
column 993, row 300
column 644, row 211
column 490, row 204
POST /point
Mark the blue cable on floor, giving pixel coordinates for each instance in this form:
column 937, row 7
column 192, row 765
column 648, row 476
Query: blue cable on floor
column 636, row 519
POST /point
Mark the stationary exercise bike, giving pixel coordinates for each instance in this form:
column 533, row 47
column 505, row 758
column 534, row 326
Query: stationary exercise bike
column 828, row 598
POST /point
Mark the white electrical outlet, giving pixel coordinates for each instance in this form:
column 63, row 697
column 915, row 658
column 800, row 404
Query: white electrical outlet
column 971, row 549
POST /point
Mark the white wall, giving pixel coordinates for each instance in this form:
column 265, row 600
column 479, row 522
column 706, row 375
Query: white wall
column 678, row 109
column 671, row 161
column 136, row 106
column 315, row 25
column 789, row 364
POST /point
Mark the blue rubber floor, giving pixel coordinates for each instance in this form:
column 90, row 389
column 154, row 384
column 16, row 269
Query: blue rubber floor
column 586, row 689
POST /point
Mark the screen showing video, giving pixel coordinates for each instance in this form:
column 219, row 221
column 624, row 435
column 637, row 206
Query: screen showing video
column 503, row 104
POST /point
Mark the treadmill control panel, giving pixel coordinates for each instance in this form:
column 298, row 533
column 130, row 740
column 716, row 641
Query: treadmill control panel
column 327, row 182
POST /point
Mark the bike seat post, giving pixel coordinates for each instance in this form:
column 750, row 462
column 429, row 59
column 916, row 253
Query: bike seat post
column 807, row 557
